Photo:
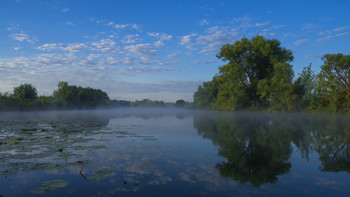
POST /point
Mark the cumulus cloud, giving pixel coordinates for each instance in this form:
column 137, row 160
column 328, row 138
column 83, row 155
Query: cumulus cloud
column 204, row 22
column 131, row 38
column 105, row 45
column 310, row 26
column 50, row 46
column 301, row 42
column 23, row 37
column 64, row 10
column 342, row 34
column 140, row 50
column 69, row 23
column 261, row 24
column 217, row 37
column 17, row 48
column 187, row 40
column 341, row 28
column 75, row 47
column 135, row 70
column 325, row 38
column 161, row 38
column 123, row 26
column 204, row 61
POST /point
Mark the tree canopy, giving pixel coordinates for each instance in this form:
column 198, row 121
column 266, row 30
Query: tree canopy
column 258, row 75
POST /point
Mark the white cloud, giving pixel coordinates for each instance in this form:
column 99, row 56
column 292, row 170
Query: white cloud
column 132, row 38
column 312, row 56
column 324, row 33
column 161, row 38
column 301, row 42
column 204, row 22
column 173, row 55
column 310, row 26
column 77, row 47
column 325, row 38
column 140, row 50
column 187, row 40
column 135, row 70
column 341, row 28
column 23, row 37
column 218, row 37
column 123, row 26
column 65, row 10
column 342, row 34
column 69, row 23
column 204, row 61
column 49, row 47
column 105, row 45
column 17, row 48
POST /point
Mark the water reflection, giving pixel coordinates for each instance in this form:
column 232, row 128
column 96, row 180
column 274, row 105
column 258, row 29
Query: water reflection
column 258, row 146
column 159, row 152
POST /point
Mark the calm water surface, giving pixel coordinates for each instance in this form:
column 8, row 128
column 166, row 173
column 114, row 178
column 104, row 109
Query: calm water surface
column 167, row 152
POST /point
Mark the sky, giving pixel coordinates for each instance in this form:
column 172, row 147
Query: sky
column 160, row 50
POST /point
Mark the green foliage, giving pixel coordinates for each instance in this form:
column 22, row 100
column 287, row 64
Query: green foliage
column 258, row 75
column 256, row 72
column 206, row 94
column 334, row 83
column 25, row 92
column 25, row 97
column 73, row 96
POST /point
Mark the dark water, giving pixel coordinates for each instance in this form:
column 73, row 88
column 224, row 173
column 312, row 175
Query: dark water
column 156, row 152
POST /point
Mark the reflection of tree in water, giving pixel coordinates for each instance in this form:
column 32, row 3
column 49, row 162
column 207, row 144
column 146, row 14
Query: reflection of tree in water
column 257, row 146
column 332, row 142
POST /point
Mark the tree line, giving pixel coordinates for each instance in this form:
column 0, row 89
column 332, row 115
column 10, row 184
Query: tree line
column 258, row 75
column 25, row 97
column 66, row 96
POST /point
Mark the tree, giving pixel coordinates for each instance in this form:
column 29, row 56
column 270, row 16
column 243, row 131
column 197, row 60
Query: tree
column 247, row 79
column 77, row 97
column 180, row 103
column 25, row 92
column 334, row 81
column 206, row 94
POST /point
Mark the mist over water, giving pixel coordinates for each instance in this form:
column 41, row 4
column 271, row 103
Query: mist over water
column 173, row 152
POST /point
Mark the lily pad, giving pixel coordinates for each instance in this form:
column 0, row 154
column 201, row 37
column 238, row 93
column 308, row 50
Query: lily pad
column 50, row 185
column 101, row 174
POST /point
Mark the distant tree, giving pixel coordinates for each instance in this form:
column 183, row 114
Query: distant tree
column 25, row 92
column 206, row 94
column 73, row 96
column 304, row 90
column 180, row 103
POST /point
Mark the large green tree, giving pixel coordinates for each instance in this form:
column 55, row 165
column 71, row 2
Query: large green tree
column 334, row 82
column 257, row 74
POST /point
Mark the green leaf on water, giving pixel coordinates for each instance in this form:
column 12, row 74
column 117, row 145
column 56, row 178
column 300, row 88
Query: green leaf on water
column 101, row 174
column 50, row 185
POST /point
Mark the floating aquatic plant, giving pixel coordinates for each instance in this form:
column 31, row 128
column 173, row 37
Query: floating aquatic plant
column 51, row 185
column 101, row 174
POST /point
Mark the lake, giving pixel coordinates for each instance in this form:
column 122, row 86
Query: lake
column 173, row 152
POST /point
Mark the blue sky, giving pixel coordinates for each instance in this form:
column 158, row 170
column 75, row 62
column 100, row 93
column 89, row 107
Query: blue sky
column 161, row 50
